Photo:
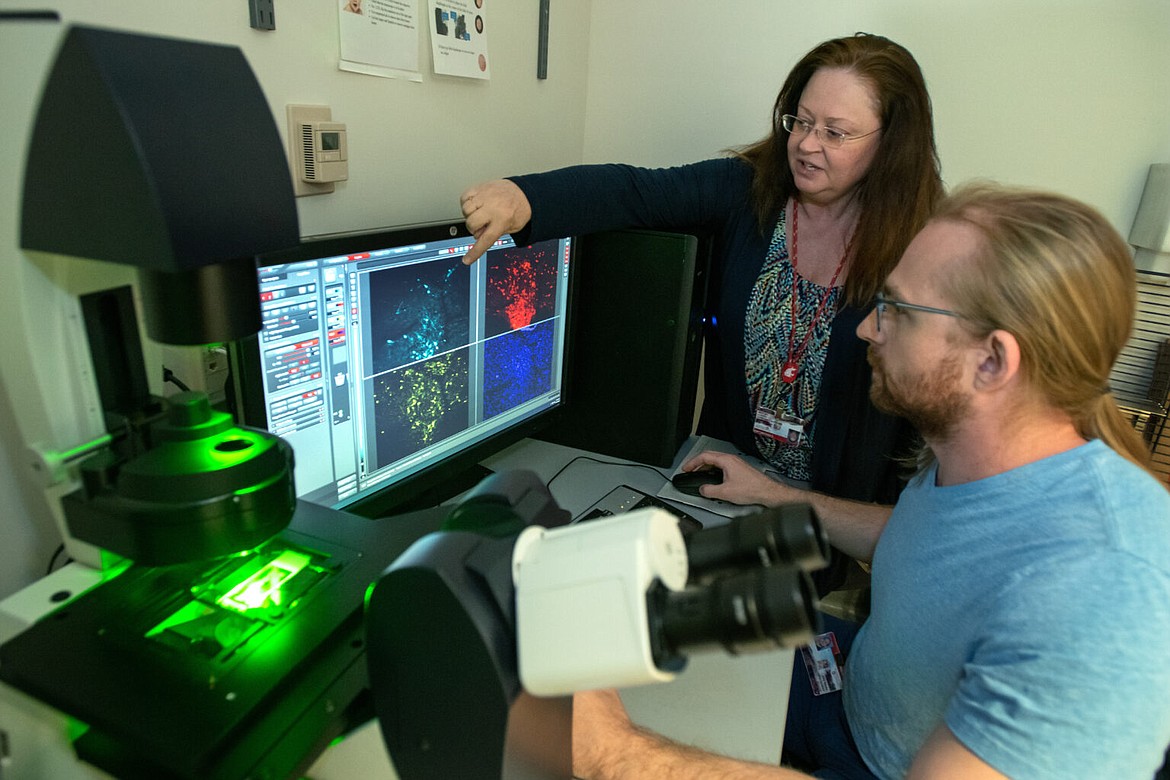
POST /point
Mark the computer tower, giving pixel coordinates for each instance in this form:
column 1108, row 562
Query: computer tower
column 635, row 345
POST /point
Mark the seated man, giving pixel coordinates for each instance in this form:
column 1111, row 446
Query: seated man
column 1021, row 585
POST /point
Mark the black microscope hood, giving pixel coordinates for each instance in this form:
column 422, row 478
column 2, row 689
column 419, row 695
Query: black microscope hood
column 162, row 154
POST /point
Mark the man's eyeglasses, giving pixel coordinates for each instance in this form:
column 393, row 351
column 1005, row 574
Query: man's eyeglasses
column 834, row 139
column 882, row 305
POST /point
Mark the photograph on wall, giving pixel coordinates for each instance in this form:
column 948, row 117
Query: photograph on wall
column 379, row 38
column 459, row 38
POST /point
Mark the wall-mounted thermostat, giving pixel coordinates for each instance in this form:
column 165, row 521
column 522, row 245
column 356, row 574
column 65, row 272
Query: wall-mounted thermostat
column 318, row 149
column 323, row 152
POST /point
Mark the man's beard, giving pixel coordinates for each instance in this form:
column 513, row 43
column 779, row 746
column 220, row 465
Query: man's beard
column 933, row 403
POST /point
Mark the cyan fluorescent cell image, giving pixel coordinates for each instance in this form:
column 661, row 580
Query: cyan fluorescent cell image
column 418, row 311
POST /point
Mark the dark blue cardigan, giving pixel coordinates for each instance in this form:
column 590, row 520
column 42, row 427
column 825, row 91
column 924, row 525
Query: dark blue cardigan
column 855, row 446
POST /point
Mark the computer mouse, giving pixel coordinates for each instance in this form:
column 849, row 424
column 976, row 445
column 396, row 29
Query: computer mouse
column 689, row 482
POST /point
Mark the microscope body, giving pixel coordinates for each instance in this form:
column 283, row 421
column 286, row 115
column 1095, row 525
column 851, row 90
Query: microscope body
column 441, row 654
column 478, row 635
column 468, row 643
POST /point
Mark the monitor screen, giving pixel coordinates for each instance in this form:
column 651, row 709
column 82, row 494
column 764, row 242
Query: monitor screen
column 391, row 367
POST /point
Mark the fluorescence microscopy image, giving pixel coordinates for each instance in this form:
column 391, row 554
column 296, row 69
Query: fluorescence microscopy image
column 517, row 367
column 417, row 311
column 420, row 404
column 521, row 287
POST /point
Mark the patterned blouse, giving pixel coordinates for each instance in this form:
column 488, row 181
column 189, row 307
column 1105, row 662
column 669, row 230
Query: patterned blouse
column 766, row 345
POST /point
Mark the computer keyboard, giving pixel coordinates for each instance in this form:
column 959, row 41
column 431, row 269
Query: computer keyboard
column 624, row 499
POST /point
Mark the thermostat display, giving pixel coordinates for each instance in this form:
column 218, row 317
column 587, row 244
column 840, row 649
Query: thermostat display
column 324, row 153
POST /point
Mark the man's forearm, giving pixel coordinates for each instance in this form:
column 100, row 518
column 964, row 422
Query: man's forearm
column 853, row 526
column 648, row 756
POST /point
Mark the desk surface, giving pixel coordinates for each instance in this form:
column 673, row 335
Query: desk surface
column 731, row 705
column 577, row 479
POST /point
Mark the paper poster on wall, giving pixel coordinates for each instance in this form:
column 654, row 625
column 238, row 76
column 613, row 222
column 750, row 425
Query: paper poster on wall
column 379, row 37
column 459, row 38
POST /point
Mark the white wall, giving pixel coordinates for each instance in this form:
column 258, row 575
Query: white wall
column 1071, row 95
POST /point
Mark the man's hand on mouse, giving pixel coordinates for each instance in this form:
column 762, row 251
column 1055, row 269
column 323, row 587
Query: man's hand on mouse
column 742, row 484
column 492, row 209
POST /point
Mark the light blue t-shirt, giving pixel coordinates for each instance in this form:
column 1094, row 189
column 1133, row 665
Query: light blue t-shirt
column 1031, row 611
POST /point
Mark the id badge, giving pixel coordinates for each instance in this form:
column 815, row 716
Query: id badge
column 765, row 423
column 823, row 663
column 786, row 429
column 791, row 430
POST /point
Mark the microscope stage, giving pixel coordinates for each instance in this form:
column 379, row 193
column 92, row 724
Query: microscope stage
column 239, row 667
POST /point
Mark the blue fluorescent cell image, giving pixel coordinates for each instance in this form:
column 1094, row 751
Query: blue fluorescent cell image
column 517, row 367
column 418, row 311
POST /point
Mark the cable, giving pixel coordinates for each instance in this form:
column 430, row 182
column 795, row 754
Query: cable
column 548, row 484
column 53, row 561
column 169, row 376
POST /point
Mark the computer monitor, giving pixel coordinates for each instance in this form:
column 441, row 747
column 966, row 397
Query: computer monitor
column 393, row 369
column 637, row 339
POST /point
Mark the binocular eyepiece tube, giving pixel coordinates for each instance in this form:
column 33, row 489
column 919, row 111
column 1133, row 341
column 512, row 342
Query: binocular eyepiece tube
column 788, row 535
column 748, row 589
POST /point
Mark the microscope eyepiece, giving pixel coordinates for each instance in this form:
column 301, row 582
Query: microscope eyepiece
column 763, row 609
column 789, row 535
column 748, row 587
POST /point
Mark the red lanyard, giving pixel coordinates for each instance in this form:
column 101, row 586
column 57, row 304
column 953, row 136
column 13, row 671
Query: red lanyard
column 792, row 366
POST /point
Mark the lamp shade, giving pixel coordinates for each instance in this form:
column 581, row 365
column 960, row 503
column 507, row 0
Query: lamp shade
column 1151, row 226
column 1150, row 234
